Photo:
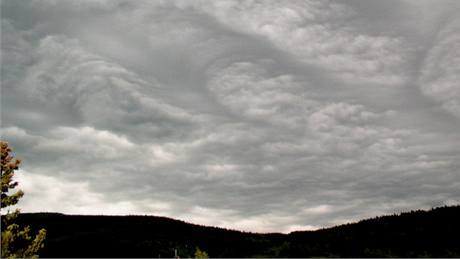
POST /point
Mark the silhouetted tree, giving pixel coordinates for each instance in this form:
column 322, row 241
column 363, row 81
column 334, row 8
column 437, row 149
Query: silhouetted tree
column 16, row 241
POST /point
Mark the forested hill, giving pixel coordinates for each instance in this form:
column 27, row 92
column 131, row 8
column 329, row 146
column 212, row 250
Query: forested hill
column 433, row 233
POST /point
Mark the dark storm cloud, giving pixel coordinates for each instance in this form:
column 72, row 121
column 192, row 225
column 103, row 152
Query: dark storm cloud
column 264, row 116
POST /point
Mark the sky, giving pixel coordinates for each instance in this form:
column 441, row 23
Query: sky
column 266, row 116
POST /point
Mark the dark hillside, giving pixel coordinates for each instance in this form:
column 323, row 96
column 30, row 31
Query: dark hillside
column 431, row 233
column 414, row 234
column 141, row 236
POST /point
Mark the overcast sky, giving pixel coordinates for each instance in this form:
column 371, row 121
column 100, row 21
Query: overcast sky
column 253, row 115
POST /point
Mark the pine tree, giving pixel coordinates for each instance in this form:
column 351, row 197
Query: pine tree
column 16, row 241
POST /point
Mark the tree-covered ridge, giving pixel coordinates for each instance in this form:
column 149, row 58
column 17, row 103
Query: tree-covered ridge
column 431, row 233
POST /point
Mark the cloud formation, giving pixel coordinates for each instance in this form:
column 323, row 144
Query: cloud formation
column 440, row 75
column 319, row 33
column 260, row 116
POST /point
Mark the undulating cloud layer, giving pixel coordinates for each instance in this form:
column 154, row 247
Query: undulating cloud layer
column 254, row 115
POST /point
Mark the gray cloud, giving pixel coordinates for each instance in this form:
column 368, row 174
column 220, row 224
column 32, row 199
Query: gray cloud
column 257, row 116
column 440, row 74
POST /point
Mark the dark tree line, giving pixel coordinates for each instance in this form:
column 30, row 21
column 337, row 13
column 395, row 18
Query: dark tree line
column 431, row 233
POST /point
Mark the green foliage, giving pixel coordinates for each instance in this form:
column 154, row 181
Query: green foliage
column 8, row 165
column 16, row 241
column 200, row 254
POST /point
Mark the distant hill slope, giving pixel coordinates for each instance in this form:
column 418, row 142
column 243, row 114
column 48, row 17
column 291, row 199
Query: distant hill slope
column 433, row 233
